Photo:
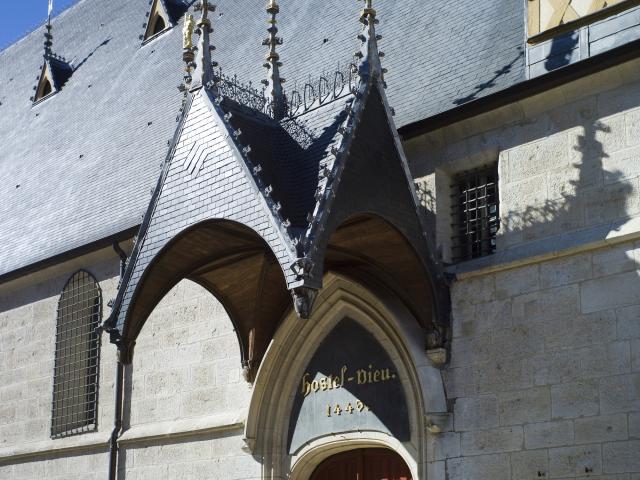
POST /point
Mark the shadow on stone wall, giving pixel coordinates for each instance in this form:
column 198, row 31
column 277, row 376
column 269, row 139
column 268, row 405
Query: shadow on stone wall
column 596, row 198
column 559, row 185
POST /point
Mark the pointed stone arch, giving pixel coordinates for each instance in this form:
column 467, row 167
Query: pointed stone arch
column 371, row 248
column 233, row 263
column 296, row 342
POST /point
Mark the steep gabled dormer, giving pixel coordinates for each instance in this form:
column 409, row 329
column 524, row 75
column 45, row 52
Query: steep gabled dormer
column 164, row 14
column 54, row 73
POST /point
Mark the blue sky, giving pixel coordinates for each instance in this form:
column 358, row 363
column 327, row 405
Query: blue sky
column 23, row 16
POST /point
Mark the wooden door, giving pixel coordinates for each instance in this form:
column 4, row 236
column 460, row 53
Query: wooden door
column 363, row 464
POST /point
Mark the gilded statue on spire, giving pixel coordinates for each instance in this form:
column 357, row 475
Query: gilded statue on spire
column 187, row 32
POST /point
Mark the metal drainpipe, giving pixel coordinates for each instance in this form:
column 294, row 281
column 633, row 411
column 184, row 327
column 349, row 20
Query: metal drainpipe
column 123, row 259
column 119, row 385
column 117, row 415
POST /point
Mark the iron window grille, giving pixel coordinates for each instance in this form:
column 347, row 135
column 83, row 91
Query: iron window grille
column 77, row 357
column 475, row 214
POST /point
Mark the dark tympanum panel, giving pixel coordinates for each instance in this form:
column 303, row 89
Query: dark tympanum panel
column 350, row 385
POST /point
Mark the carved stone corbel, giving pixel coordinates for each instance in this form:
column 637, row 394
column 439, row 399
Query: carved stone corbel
column 303, row 299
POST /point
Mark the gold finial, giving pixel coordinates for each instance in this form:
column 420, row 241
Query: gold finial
column 187, row 32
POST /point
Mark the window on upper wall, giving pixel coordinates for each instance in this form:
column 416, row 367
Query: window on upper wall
column 474, row 213
column 77, row 355
column 548, row 15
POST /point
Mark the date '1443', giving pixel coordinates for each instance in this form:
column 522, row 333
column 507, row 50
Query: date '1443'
column 347, row 409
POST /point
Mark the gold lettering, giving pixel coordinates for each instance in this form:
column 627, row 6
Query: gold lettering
column 323, row 383
column 343, row 372
column 362, row 376
column 369, row 377
column 376, row 376
column 315, row 386
column 306, row 387
column 386, row 375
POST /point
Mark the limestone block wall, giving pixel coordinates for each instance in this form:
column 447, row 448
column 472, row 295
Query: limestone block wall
column 187, row 360
column 544, row 375
column 188, row 397
column 27, row 346
column 185, row 398
column 568, row 166
column 545, row 371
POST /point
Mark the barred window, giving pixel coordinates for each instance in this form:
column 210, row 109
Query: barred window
column 75, row 378
column 475, row 215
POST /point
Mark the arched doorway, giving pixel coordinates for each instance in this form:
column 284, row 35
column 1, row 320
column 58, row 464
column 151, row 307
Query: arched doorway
column 363, row 464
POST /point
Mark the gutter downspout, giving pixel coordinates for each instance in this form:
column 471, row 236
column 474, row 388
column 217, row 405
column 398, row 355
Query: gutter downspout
column 118, row 401
column 123, row 259
column 119, row 379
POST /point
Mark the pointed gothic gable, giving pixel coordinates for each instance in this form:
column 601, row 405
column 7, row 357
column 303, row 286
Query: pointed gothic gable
column 257, row 209
column 163, row 15
column 372, row 186
column 54, row 74
column 220, row 187
column 366, row 182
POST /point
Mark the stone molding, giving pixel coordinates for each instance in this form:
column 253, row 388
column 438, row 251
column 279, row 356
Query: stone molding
column 183, row 428
column 137, row 434
column 550, row 248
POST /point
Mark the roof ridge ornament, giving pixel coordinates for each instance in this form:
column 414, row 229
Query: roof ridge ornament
column 188, row 51
column 369, row 56
column 48, row 36
column 273, row 82
column 203, row 64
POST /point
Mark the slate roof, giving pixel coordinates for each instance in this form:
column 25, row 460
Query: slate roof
column 81, row 165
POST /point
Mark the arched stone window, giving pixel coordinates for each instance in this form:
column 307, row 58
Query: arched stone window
column 77, row 357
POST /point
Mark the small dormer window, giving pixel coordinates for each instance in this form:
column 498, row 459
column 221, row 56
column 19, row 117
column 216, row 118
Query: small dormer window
column 164, row 14
column 44, row 88
column 54, row 74
column 158, row 26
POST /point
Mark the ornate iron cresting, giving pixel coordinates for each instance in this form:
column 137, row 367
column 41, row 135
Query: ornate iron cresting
column 312, row 95
column 243, row 93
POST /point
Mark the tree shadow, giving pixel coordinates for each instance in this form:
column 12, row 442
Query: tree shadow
column 491, row 82
column 597, row 197
column 84, row 60
column 561, row 50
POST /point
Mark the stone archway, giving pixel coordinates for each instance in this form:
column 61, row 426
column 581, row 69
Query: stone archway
column 268, row 428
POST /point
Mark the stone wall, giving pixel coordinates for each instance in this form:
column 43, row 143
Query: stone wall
column 545, row 371
column 187, row 360
column 544, row 376
column 186, row 399
column 569, row 165
column 27, row 346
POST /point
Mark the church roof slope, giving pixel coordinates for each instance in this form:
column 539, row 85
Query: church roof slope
column 79, row 166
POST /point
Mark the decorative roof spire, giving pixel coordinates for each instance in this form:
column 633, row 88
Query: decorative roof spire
column 274, row 82
column 369, row 56
column 48, row 37
column 204, row 68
